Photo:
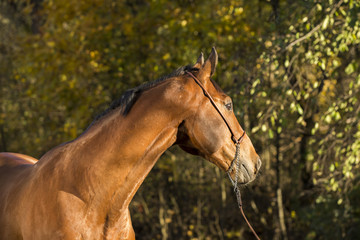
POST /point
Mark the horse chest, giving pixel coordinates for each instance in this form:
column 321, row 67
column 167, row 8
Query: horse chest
column 121, row 228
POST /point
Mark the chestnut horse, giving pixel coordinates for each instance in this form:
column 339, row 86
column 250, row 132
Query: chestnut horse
column 82, row 189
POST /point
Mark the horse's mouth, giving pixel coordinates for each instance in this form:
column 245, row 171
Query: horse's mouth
column 247, row 177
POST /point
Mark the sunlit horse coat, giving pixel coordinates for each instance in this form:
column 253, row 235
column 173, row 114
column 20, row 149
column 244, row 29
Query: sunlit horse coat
column 82, row 189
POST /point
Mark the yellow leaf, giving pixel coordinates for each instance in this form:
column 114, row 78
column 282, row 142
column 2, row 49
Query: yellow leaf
column 166, row 56
column 268, row 44
column 51, row 44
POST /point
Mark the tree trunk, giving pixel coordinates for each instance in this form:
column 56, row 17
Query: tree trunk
column 279, row 191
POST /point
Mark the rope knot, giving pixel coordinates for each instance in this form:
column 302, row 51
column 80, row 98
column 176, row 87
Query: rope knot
column 234, row 182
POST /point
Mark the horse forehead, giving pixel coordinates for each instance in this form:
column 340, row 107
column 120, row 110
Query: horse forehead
column 190, row 87
column 216, row 86
column 215, row 90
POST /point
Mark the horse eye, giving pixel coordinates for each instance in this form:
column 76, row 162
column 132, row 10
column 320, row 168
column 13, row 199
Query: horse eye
column 228, row 106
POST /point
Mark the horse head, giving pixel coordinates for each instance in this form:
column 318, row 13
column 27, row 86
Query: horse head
column 212, row 128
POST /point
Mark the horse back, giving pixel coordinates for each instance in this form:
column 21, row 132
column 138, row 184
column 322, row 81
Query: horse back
column 14, row 168
column 14, row 159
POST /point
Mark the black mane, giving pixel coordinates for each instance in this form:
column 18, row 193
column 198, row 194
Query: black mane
column 127, row 100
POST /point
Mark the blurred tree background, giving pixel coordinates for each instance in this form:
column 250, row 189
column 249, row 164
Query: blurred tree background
column 291, row 67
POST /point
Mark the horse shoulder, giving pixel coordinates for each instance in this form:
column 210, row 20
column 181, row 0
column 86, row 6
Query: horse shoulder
column 75, row 223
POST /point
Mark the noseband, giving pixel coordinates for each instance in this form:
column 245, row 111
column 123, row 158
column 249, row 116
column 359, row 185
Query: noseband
column 236, row 160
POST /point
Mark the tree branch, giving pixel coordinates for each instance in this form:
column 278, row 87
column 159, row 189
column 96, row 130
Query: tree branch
column 315, row 29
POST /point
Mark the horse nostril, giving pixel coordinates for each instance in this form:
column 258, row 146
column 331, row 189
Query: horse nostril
column 257, row 165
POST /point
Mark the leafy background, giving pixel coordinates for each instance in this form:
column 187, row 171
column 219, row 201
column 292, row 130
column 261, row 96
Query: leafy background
column 291, row 67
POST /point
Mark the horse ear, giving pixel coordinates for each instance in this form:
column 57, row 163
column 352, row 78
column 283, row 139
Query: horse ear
column 200, row 62
column 210, row 64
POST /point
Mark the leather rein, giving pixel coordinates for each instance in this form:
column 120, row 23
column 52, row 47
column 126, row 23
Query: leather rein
column 236, row 160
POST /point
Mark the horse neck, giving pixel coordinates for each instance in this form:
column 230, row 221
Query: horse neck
column 111, row 160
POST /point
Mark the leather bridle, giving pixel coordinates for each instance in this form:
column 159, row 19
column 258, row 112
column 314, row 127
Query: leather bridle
column 233, row 137
column 236, row 160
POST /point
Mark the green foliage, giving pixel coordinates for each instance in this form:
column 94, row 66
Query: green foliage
column 291, row 67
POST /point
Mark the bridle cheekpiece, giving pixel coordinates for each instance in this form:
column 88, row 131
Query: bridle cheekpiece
column 236, row 160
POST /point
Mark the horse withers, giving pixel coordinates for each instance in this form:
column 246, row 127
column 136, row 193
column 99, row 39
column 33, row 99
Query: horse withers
column 82, row 189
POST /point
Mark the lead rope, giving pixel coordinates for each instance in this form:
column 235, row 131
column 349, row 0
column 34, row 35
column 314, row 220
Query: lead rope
column 236, row 162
